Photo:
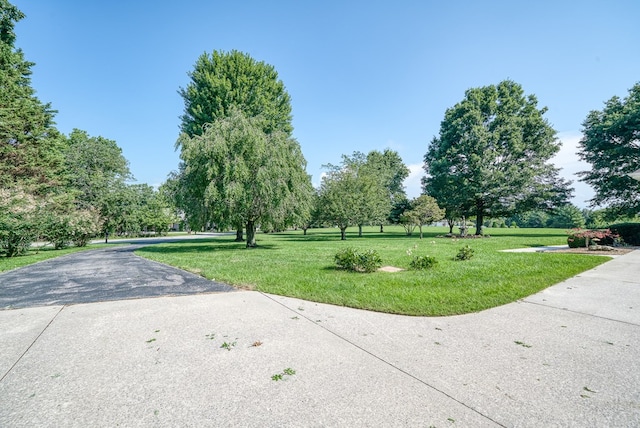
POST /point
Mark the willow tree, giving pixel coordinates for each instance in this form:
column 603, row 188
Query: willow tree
column 250, row 176
column 220, row 83
column 491, row 157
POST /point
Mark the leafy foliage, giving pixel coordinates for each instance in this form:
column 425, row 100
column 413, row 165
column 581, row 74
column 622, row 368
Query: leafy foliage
column 249, row 176
column 222, row 81
column 228, row 88
column 18, row 220
column 584, row 238
column 629, row 232
column 424, row 210
column 465, row 253
column 422, row 262
column 352, row 193
column 491, row 155
column 354, row 260
column 611, row 144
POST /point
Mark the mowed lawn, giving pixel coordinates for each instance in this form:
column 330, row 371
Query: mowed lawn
column 292, row 264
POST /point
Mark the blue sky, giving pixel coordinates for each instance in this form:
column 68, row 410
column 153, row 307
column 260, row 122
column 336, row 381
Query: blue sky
column 362, row 75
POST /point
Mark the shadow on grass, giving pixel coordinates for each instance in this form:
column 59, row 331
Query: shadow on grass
column 331, row 234
column 335, row 236
column 203, row 246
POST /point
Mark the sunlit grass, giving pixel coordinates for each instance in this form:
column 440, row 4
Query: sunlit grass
column 301, row 266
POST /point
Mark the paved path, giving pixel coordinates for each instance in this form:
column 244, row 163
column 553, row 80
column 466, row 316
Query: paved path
column 95, row 276
column 566, row 357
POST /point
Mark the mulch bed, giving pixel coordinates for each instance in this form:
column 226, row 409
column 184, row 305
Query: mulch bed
column 618, row 251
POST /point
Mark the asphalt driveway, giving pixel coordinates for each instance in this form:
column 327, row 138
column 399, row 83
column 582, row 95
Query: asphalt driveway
column 96, row 276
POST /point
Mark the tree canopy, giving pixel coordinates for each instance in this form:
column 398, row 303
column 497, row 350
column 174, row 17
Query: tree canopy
column 354, row 193
column 221, row 85
column 246, row 174
column 423, row 210
column 611, row 144
column 223, row 81
column 490, row 158
column 30, row 145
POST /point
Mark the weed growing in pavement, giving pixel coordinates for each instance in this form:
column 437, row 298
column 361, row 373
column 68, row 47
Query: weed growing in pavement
column 228, row 346
column 524, row 345
column 286, row 372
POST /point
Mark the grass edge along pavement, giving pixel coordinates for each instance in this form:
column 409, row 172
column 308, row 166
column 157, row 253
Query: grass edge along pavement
column 40, row 254
column 302, row 266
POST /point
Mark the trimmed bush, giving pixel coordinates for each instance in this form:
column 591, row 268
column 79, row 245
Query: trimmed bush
column 575, row 241
column 579, row 238
column 351, row 259
column 629, row 232
column 422, row 262
column 465, row 253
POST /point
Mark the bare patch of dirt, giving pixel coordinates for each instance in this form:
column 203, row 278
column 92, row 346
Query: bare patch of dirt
column 389, row 269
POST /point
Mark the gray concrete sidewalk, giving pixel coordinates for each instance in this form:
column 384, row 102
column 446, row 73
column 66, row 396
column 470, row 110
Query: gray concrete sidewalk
column 568, row 356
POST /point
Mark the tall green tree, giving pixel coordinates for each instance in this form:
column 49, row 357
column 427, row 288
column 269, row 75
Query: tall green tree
column 491, row 155
column 352, row 193
column 251, row 176
column 424, row 210
column 92, row 166
column 30, row 145
column 220, row 83
column 391, row 170
column 611, row 144
column 567, row 217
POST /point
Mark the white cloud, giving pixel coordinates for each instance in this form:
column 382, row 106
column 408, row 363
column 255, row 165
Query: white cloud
column 316, row 184
column 567, row 159
column 412, row 183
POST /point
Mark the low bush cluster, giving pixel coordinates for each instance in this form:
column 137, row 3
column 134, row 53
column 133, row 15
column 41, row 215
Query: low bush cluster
column 354, row 260
column 422, row 262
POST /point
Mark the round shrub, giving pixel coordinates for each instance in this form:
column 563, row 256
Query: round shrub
column 629, row 232
column 576, row 241
column 465, row 253
column 351, row 259
column 422, row 262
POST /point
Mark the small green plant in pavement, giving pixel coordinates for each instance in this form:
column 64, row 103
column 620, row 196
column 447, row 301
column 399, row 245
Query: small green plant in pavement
column 286, row 372
column 228, row 345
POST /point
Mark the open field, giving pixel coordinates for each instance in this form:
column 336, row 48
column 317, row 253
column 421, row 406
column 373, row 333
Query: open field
column 295, row 265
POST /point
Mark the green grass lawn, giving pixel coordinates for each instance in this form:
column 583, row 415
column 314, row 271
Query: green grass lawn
column 295, row 265
column 36, row 255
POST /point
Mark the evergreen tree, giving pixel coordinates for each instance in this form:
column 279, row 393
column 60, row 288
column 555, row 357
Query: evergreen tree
column 30, row 145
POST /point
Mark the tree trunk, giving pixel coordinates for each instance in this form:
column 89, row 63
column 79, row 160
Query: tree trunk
column 251, row 234
column 451, row 222
column 304, row 230
column 343, row 233
column 239, row 237
column 359, row 231
column 420, row 226
column 382, row 228
column 479, row 219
